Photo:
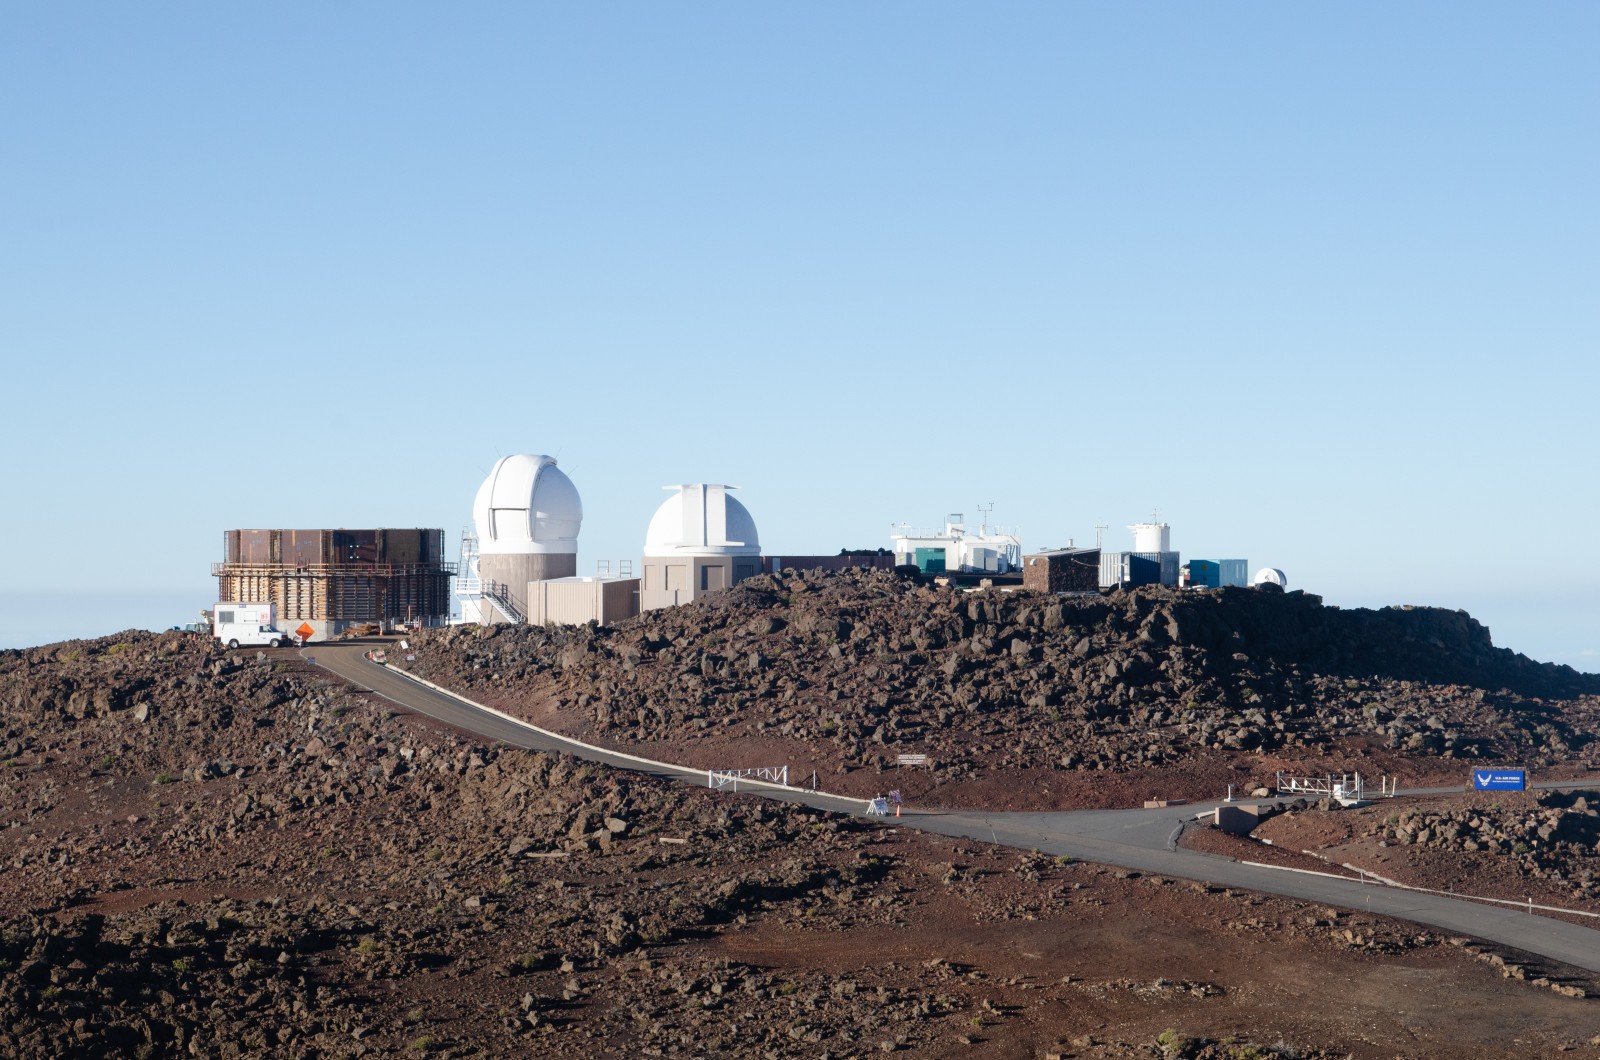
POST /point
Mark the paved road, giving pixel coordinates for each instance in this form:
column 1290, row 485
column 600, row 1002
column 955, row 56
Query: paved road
column 1132, row 839
column 349, row 661
column 1118, row 837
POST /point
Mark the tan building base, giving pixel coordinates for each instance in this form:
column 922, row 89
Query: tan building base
column 670, row 581
column 515, row 572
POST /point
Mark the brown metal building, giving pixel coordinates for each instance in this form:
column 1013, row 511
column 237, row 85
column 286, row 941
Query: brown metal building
column 330, row 580
column 1062, row 570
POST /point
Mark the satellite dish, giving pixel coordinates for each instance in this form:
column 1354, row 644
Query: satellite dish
column 1271, row 576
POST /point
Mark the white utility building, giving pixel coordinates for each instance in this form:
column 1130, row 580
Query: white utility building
column 700, row 540
column 526, row 516
column 957, row 548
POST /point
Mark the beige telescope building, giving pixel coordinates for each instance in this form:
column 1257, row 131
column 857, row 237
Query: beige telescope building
column 700, row 540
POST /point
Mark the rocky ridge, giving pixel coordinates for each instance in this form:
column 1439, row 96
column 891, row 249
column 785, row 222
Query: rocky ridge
column 222, row 854
column 857, row 666
column 1553, row 836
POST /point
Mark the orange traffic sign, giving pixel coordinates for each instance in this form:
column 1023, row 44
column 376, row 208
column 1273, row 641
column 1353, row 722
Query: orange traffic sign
column 305, row 631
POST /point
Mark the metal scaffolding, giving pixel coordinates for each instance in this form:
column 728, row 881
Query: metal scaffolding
column 374, row 592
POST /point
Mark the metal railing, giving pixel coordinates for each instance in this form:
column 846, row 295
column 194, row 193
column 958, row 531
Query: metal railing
column 1328, row 786
column 499, row 594
column 954, row 533
column 729, row 778
column 330, row 569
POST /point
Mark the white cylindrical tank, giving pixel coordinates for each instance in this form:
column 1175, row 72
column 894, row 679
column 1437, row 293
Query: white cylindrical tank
column 1151, row 537
column 701, row 519
column 1271, row 576
column 527, row 506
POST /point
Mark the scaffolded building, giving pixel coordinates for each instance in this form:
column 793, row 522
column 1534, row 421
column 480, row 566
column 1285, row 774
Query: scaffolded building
column 327, row 581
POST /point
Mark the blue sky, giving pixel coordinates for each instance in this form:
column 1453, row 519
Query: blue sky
column 1316, row 283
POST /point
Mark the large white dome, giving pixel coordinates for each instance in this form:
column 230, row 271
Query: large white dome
column 701, row 519
column 527, row 505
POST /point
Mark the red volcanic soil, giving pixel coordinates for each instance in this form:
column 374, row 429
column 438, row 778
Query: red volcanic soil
column 234, row 855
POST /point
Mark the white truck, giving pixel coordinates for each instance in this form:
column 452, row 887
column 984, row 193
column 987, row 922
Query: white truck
column 241, row 625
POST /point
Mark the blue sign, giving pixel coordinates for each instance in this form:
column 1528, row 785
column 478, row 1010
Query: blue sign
column 1499, row 780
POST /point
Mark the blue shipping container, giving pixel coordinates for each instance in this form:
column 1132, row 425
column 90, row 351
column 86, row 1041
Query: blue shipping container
column 1138, row 568
column 1129, row 568
column 1215, row 573
column 1499, row 780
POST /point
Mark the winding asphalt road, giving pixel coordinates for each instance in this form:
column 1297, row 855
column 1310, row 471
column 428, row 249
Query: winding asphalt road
column 1143, row 840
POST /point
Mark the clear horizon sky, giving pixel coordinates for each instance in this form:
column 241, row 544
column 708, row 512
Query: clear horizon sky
column 1317, row 283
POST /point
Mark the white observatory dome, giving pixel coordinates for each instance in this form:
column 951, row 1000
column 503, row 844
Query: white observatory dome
column 700, row 519
column 1271, row 576
column 527, row 506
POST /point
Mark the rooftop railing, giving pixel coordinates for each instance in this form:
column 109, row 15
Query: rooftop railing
column 328, row 569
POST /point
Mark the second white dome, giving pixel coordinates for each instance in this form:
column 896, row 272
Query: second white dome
column 701, row 519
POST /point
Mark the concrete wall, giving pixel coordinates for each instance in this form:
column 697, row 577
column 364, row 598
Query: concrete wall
column 517, row 571
column 1240, row 820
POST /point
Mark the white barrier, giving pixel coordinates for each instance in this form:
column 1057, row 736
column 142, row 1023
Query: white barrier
column 722, row 778
column 1367, row 877
column 646, row 763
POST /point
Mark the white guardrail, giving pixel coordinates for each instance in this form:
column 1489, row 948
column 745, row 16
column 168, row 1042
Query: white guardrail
column 1366, row 877
column 722, row 778
column 866, row 805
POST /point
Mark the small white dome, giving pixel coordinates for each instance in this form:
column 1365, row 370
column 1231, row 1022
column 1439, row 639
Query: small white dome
column 701, row 519
column 527, row 505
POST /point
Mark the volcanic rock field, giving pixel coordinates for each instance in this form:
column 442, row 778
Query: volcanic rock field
column 841, row 672
column 234, row 854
